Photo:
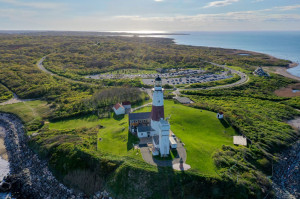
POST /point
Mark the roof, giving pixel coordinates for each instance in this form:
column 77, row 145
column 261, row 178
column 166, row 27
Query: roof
column 126, row 103
column 144, row 128
column 140, row 116
column 117, row 106
column 172, row 140
column 240, row 140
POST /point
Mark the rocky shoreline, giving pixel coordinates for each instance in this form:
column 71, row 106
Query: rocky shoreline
column 287, row 174
column 30, row 176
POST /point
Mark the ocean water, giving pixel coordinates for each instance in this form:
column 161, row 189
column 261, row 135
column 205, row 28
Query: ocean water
column 284, row 45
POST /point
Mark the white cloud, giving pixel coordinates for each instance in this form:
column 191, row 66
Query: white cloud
column 32, row 4
column 158, row 0
column 220, row 3
column 285, row 8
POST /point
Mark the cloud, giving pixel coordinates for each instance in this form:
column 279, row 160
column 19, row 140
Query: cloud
column 158, row 0
column 220, row 3
column 286, row 8
column 37, row 5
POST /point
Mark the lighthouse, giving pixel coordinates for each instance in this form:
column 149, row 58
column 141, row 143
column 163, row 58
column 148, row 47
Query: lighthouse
column 157, row 112
column 161, row 127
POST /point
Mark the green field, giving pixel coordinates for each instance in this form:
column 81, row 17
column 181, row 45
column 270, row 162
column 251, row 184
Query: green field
column 114, row 135
column 200, row 131
column 31, row 112
column 27, row 111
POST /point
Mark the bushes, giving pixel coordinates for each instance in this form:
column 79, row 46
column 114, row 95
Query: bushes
column 5, row 94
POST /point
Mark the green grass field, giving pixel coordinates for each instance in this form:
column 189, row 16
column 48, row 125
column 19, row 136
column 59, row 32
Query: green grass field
column 200, row 131
column 114, row 135
column 27, row 111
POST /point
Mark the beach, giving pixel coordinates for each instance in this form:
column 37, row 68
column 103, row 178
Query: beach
column 283, row 70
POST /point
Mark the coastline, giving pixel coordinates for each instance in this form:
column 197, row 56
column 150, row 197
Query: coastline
column 283, row 70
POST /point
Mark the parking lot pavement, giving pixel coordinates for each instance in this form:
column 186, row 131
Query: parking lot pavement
column 190, row 79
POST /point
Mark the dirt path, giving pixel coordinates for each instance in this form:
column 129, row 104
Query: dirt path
column 15, row 99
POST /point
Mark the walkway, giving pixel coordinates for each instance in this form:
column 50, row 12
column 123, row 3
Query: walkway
column 147, row 156
column 15, row 99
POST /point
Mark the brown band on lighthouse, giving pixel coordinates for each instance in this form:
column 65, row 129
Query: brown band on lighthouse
column 157, row 113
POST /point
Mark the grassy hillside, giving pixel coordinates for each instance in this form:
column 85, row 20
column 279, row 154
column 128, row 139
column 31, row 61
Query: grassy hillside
column 32, row 113
column 200, row 131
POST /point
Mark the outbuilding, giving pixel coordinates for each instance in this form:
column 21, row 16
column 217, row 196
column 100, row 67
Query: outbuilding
column 220, row 115
column 126, row 105
column 173, row 143
column 119, row 109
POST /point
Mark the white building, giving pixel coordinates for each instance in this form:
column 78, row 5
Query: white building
column 119, row 109
column 127, row 106
column 220, row 115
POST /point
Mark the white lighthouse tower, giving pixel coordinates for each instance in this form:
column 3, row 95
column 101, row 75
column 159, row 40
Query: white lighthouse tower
column 157, row 112
column 161, row 127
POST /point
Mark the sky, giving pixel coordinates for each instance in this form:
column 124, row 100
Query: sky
column 150, row 15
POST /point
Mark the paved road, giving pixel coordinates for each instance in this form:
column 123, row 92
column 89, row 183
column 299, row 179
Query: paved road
column 41, row 67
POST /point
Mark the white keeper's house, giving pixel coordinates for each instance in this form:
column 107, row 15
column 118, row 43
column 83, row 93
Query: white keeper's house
column 152, row 124
column 119, row 109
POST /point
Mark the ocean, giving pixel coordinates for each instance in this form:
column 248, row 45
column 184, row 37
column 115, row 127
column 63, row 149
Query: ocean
column 284, row 45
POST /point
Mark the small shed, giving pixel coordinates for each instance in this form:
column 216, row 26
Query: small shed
column 126, row 105
column 119, row 109
column 240, row 140
column 173, row 143
column 220, row 115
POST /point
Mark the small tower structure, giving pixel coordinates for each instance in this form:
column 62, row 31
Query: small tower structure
column 157, row 112
column 164, row 142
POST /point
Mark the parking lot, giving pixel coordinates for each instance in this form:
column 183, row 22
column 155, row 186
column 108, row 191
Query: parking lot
column 189, row 79
column 146, row 76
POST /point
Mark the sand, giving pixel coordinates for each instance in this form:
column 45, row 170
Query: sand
column 3, row 153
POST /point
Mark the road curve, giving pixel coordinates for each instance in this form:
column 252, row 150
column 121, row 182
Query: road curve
column 41, row 67
column 243, row 80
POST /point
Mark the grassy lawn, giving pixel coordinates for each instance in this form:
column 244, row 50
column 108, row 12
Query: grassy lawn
column 76, row 122
column 114, row 135
column 27, row 111
column 200, row 131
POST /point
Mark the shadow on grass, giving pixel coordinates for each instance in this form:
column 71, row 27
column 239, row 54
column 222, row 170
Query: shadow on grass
column 132, row 139
column 118, row 117
column 224, row 123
